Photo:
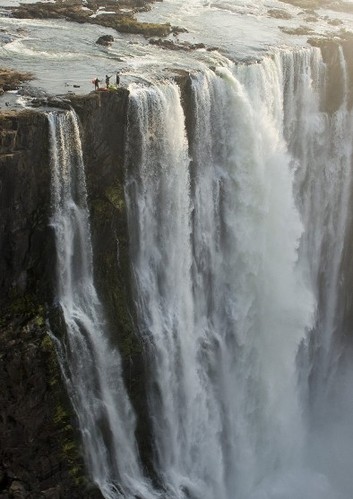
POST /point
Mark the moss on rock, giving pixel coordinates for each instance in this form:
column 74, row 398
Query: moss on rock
column 115, row 195
column 130, row 25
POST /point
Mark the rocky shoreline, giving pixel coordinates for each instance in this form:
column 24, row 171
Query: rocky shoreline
column 336, row 5
column 110, row 14
column 12, row 80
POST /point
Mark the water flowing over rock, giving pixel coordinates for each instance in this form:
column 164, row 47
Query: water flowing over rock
column 203, row 298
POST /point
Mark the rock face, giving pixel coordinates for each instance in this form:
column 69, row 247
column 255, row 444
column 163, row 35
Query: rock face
column 39, row 449
column 11, row 80
column 103, row 120
column 25, row 237
column 39, row 441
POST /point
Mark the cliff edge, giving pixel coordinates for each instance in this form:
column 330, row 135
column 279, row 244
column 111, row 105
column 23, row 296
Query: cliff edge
column 40, row 453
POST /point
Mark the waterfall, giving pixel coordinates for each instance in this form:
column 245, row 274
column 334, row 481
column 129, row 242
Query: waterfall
column 91, row 365
column 238, row 200
column 237, row 233
column 217, row 282
column 322, row 150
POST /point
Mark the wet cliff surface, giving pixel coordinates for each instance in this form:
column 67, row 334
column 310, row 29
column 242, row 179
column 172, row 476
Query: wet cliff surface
column 39, row 443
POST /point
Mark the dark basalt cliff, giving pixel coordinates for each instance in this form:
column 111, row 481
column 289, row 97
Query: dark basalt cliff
column 39, row 444
column 40, row 453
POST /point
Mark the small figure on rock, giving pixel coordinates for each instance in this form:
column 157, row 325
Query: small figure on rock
column 107, row 80
column 117, row 80
column 96, row 83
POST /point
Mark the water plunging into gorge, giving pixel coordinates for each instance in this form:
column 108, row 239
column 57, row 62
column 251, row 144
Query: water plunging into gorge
column 238, row 211
column 91, row 366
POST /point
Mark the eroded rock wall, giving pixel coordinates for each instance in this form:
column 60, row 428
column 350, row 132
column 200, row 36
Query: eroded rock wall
column 40, row 452
column 39, row 439
column 103, row 120
column 26, row 244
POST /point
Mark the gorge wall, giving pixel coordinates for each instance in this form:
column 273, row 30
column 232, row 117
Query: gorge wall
column 39, row 444
column 40, row 454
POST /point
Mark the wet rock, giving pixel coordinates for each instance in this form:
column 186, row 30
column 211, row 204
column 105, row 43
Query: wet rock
column 59, row 102
column 300, row 31
column 52, row 493
column 12, row 80
column 279, row 14
column 340, row 6
column 311, row 19
column 120, row 20
column 105, row 40
column 36, row 419
column 17, row 490
column 335, row 22
column 4, row 478
column 175, row 45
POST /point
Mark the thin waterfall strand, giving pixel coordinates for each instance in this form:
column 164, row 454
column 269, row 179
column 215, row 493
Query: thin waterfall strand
column 92, row 367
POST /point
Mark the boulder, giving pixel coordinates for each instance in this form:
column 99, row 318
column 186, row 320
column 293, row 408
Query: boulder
column 17, row 490
column 105, row 40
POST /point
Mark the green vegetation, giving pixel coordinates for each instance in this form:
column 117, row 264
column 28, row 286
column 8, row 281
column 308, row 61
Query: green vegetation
column 62, row 418
column 115, row 194
column 22, row 308
column 130, row 25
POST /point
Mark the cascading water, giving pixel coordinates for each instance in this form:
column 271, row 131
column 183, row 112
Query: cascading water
column 237, row 233
column 322, row 149
column 229, row 280
column 224, row 326
column 91, row 366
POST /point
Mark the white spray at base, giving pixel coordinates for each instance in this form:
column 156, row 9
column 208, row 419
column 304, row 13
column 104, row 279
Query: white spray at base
column 91, row 365
column 227, row 253
column 322, row 148
column 237, row 235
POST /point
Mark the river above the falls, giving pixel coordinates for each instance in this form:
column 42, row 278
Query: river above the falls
column 64, row 57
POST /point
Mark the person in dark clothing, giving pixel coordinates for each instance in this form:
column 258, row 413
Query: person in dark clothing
column 96, row 84
column 117, row 81
column 107, row 80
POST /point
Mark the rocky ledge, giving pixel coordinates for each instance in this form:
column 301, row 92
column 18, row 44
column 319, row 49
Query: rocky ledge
column 119, row 16
column 336, row 5
column 12, row 80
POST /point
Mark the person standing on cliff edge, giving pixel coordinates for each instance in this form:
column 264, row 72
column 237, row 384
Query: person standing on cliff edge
column 117, row 80
column 107, row 80
column 96, row 84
